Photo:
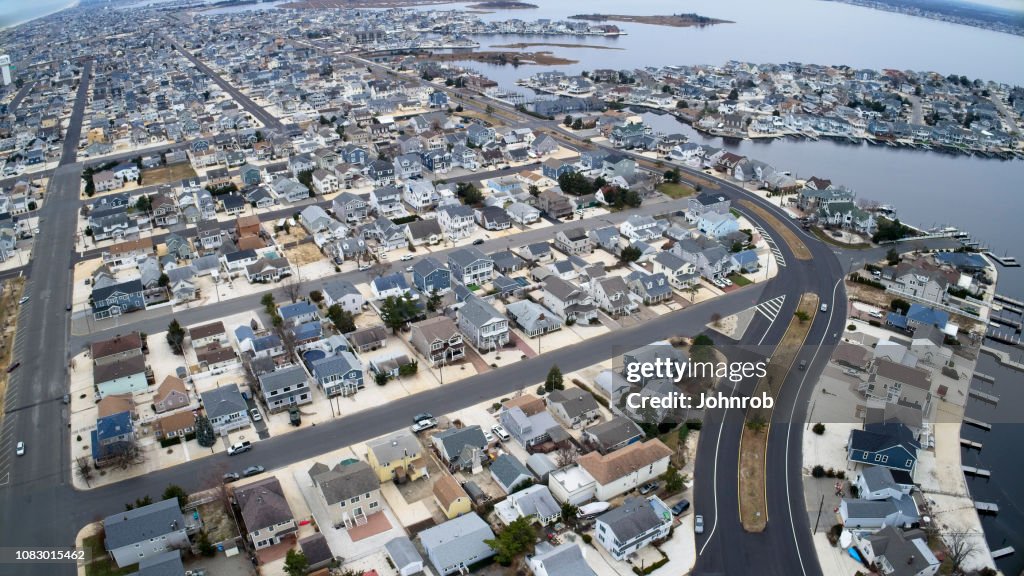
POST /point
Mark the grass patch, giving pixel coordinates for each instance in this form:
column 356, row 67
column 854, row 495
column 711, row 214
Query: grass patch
column 9, row 296
column 781, row 231
column 472, row 287
column 98, row 562
column 753, row 441
column 167, row 174
column 739, row 279
column 828, row 239
column 673, row 190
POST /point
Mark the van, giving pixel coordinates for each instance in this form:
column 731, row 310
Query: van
column 239, row 448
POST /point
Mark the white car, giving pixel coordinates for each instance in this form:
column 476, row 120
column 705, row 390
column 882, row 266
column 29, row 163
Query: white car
column 824, row 307
column 726, row 281
column 407, row 257
column 20, row 449
column 23, row 300
column 256, row 416
column 364, row 267
column 488, row 436
column 500, row 432
column 408, row 268
column 875, row 314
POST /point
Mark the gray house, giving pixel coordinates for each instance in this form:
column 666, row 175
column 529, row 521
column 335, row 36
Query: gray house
column 285, row 388
column 457, row 544
column 460, row 447
column 532, row 318
column 482, row 325
column 574, row 407
column 509, row 472
column 145, row 532
column 225, row 408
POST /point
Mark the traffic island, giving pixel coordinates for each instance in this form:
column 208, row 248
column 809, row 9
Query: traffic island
column 800, row 250
column 754, row 438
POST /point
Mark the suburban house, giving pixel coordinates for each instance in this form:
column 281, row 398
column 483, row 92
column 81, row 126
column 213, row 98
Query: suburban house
column 391, row 286
column 285, row 388
column 715, row 225
column 350, row 492
column 612, row 295
column 344, row 294
column 461, row 448
column 113, row 437
column 397, row 457
column 404, row 556
column 554, row 203
column 470, row 266
column 616, row 433
column 566, row 559
column 438, row 340
column 706, row 202
column 456, row 220
column 640, row 228
column 424, row 232
column 115, row 349
column 265, row 512
column 633, row 525
column 649, row 288
column 574, row 408
column 710, row 258
column 880, row 483
column 117, row 299
column 509, row 473
column 144, row 532
column 126, row 376
column 534, row 319
column 457, row 544
column 862, row 514
column 429, row 275
column 574, row 241
column 208, row 334
column 896, row 552
column 534, row 501
column 349, row 208
column 568, row 301
column 896, row 383
column 529, row 429
column 605, row 476
column 891, row 445
column 225, row 408
column 482, row 325
column 338, row 375
column 170, row 395
column 178, row 424
column 451, row 497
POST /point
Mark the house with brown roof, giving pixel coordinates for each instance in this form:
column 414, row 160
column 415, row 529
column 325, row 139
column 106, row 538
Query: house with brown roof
column 128, row 253
column 126, row 376
column 438, row 340
column 115, row 404
column 451, row 497
column 207, row 334
column 528, row 403
column 215, row 356
column 175, row 425
column 247, row 226
column 265, row 512
column 171, row 395
column 605, row 476
column 117, row 348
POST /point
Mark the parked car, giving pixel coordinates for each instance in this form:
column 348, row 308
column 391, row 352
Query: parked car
column 294, row 417
column 422, row 425
column 239, row 448
column 231, row 477
column 364, row 267
column 680, row 507
column 648, row 488
column 698, row 524
column 66, row 399
column 23, row 300
column 824, row 307
column 478, row 241
column 407, row 257
column 727, row 282
column 253, row 470
column 422, row 416
column 488, row 436
column 500, row 432
column 13, row 367
column 20, row 449
column 255, row 414
column 876, row 314
column 408, row 268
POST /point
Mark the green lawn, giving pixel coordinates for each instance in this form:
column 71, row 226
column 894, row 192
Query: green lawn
column 673, row 190
column 99, row 562
column 739, row 279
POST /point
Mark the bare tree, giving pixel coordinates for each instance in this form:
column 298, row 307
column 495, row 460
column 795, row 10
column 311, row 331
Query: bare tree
column 565, row 455
column 961, row 546
column 287, row 341
column 83, row 468
column 380, row 268
column 127, row 454
column 292, row 288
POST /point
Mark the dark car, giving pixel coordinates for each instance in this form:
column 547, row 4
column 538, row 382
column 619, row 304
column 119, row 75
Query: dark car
column 13, row 367
column 680, row 507
column 253, row 470
column 231, row 477
column 478, row 241
column 422, row 416
column 648, row 488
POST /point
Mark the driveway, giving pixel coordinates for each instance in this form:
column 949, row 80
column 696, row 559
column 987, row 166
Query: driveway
column 261, row 426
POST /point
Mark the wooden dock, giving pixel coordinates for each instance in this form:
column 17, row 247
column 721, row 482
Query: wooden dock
column 987, row 507
column 981, row 472
column 1008, row 300
column 996, row 554
column 1008, row 261
column 977, row 423
column 984, row 396
column 970, row 444
column 985, row 377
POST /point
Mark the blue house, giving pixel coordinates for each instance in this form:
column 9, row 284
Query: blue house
column 428, row 275
column 888, row 444
column 251, row 175
column 113, row 435
column 353, row 154
column 436, row 160
column 299, row 313
column 553, row 168
column 479, row 135
column 746, row 261
column 438, row 99
column 920, row 315
column 338, row 375
column 117, row 299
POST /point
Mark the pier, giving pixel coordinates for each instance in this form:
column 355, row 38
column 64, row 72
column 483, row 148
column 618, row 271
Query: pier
column 1008, row 300
column 1003, row 358
column 1007, row 261
column 981, row 472
column 984, row 396
column 987, row 507
column 977, row 423
column 1003, row 321
column 985, row 377
column 1004, row 336
column 996, row 554
column 970, row 444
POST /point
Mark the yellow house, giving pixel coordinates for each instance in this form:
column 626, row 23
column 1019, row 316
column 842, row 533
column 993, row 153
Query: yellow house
column 397, row 456
column 450, row 496
column 97, row 134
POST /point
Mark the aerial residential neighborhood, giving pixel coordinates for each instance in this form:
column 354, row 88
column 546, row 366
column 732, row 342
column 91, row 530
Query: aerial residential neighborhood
column 394, row 288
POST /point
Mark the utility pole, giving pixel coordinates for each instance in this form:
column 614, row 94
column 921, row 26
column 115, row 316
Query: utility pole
column 818, row 519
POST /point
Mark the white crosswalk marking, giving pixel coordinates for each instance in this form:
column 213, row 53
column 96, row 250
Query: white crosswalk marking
column 771, row 308
column 779, row 259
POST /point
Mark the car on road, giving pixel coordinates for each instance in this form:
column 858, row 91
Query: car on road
column 23, row 300
column 824, row 307
column 407, row 257
column 698, row 524
column 364, row 267
column 500, row 432
column 232, row 477
column 422, row 416
column 239, row 448
column 876, row 314
column 20, row 449
column 13, row 367
column 68, row 308
column 648, row 488
column 680, row 507
column 255, row 414
column 66, row 399
column 421, row 425
column 478, row 241
column 253, row 470
column 803, row 364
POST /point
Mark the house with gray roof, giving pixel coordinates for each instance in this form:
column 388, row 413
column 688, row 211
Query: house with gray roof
column 899, row 553
column 616, row 433
column 470, row 266
column 566, row 559
column 421, row 232
column 343, row 293
column 482, row 325
column 338, row 375
column 531, row 429
column 225, row 408
column 651, row 288
column 535, row 501
column 509, row 472
column 145, row 532
column 350, row 492
column 457, row 544
column 568, row 300
column 163, row 564
column 438, row 340
column 285, row 388
column 461, row 448
column 633, row 525
column 404, row 556
column 532, row 318
column 265, row 512
column 863, row 514
column 573, row 407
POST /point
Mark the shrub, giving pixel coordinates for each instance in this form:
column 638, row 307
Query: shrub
column 587, row 538
column 830, row 473
column 818, row 471
column 851, row 327
column 840, row 474
column 694, row 424
column 818, row 429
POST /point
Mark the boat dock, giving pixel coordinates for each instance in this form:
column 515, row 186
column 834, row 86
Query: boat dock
column 985, row 377
column 977, row 423
column 1003, row 321
column 976, row 471
column 984, row 396
column 996, row 554
column 970, row 444
column 1004, row 336
column 1007, row 261
column 987, row 507
column 1003, row 358
column 1008, row 300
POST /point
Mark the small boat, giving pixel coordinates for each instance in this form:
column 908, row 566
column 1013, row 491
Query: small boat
column 593, row 509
